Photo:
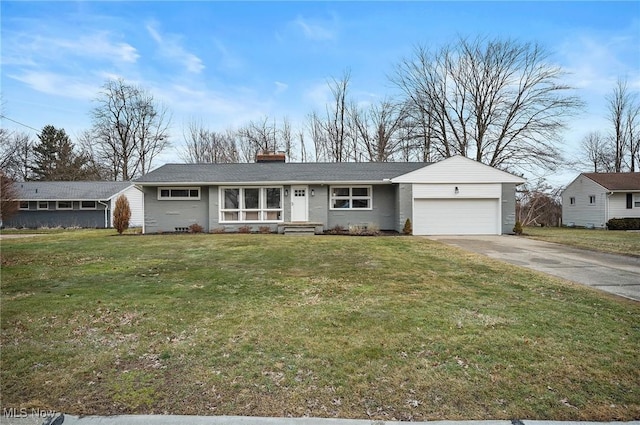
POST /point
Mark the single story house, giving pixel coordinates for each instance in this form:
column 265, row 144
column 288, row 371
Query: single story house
column 592, row 199
column 453, row 196
column 73, row 204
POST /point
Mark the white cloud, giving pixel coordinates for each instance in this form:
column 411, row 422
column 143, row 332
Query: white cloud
column 58, row 84
column 281, row 87
column 316, row 30
column 27, row 49
column 170, row 47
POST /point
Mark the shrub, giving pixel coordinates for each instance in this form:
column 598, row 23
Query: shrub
column 517, row 229
column 264, row 229
column 408, row 227
column 244, row 229
column 196, row 228
column 336, row 230
column 364, row 230
column 623, row 224
column 121, row 214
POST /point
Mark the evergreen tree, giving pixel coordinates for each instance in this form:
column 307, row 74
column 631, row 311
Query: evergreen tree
column 56, row 160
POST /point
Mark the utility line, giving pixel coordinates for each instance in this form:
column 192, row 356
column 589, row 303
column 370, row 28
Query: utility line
column 17, row 122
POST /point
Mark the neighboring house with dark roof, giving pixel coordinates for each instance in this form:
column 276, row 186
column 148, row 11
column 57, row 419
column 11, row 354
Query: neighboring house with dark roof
column 73, row 204
column 592, row 199
column 454, row 196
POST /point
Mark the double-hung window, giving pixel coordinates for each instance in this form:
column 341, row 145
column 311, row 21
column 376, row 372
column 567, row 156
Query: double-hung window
column 250, row 204
column 43, row 205
column 636, row 200
column 592, row 199
column 24, row 205
column 350, row 197
column 572, row 200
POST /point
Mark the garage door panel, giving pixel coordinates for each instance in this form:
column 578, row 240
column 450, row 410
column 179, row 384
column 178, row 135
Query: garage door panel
column 455, row 217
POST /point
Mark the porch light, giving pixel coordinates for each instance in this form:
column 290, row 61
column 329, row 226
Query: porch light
column 286, row 192
column 457, row 190
column 313, row 192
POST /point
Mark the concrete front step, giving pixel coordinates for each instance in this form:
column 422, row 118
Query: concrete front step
column 300, row 228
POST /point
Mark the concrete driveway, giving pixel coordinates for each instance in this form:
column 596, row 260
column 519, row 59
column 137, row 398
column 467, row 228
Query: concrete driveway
column 617, row 274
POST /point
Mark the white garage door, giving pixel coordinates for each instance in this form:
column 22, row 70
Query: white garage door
column 455, row 217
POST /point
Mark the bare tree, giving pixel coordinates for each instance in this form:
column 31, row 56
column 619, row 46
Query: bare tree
column 258, row 136
column 330, row 133
column 129, row 129
column 618, row 104
column 633, row 133
column 538, row 204
column 379, row 130
column 286, row 137
column 8, row 198
column 596, row 152
column 499, row 102
column 207, row 146
column 16, row 154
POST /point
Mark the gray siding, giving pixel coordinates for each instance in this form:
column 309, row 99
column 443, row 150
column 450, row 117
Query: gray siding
column 508, row 207
column 382, row 215
column 404, row 204
column 34, row 218
column 318, row 204
column 167, row 215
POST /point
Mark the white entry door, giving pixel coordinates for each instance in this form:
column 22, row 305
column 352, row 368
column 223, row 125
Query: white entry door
column 299, row 203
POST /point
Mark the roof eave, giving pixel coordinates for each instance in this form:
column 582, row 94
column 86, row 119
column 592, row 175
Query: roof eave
column 263, row 183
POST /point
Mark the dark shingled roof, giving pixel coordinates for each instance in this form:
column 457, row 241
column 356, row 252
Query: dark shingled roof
column 69, row 191
column 309, row 172
column 616, row 181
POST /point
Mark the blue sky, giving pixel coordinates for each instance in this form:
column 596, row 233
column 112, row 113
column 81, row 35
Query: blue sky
column 225, row 63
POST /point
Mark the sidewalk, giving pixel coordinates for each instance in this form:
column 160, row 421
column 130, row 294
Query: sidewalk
column 245, row 420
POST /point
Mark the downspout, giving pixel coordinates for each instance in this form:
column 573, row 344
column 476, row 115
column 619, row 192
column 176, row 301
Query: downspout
column 606, row 209
column 106, row 215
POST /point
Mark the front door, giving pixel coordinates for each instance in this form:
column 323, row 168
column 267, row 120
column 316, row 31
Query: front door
column 299, row 203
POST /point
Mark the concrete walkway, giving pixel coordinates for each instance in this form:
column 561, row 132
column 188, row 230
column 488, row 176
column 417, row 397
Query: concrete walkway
column 244, row 420
column 617, row 274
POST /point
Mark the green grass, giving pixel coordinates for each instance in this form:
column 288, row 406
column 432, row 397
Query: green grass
column 611, row 241
column 355, row 327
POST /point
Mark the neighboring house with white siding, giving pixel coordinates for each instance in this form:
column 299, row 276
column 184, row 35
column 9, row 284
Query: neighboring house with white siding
column 87, row 204
column 592, row 199
column 456, row 196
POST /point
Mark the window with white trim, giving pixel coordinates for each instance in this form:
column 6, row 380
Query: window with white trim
column 250, row 204
column 350, row 197
column 178, row 193
column 88, row 205
column 24, row 205
column 43, row 205
column 592, row 199
column 572, row 200
column 636, row 200
column 64, row 205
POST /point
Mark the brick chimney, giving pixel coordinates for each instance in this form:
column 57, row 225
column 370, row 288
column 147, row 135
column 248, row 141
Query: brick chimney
column 268, row 156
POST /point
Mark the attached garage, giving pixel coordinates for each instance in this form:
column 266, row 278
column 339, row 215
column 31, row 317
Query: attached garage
column 456, row 217
column 459, row 196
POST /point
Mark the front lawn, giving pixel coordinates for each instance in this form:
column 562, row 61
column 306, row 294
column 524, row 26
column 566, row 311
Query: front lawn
column 611, row 241
column 382, row 328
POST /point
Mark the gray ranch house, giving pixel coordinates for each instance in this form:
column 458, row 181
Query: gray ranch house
column 456, row 196
column 592, row 199
column 88, row 204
